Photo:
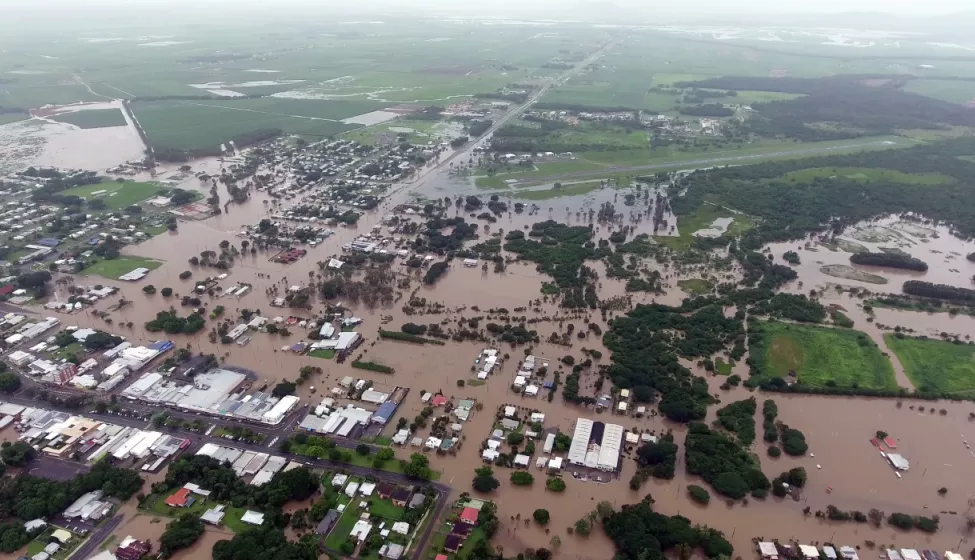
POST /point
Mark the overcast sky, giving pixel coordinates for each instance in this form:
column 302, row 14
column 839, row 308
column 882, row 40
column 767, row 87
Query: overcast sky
column 552, row 9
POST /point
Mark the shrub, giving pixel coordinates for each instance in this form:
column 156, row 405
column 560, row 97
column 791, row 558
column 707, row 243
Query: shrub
column 541, row 516
column 774, row 451
column 555, row 484
column 150, row 289
column 185, row 274
column 166, row 292
column 698, row 494
column 522, row 478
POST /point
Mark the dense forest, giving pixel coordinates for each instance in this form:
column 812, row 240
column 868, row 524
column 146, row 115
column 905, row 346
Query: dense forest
column 889, row 260
column 646, row 350
column 559, row 251
column 864, row 105
column 791, row 209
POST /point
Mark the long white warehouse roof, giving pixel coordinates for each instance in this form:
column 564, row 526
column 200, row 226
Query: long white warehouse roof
column 580, row 441
column 609, row 449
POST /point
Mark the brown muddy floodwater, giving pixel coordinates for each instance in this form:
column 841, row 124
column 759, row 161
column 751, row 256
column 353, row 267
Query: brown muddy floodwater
column 838, row 430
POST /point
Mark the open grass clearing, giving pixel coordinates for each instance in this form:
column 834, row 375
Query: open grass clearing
column 696, row 286
column 936, row 365
column 823, row 357
column 114, row 268
column 94, row 118
column 340, row 532
column 115, row 194
column 722, row 367
column 324, row 353
column 385, row 509
column 575, row 189
column 953, row 91
column 703, row 218
column 866, row 174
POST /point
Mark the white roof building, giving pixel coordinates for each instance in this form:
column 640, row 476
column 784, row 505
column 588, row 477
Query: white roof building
column 360, row 530
column 401, row 527
column 521, row 460
column 580, row 441
column 253, row 518
column 609, row 448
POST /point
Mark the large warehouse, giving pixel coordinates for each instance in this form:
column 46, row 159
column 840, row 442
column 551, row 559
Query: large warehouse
column 596, row 445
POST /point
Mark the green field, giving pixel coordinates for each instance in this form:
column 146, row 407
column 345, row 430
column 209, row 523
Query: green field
column 195, row 125
column 866, row 174
column 323, row 353
column 112, row 269
column 954, row 91
column 702, row 219
column 722, row 367
column 95, row 118
column 341, row 529
column 819, row 355
column 575, row 189
column 117, row 195
column 385, row 509
column 695, row 286
column 936, row 365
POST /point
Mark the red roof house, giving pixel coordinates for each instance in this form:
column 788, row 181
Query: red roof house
column 469, row 516
column 179, row 498
column 133, row 549
column 439, row 400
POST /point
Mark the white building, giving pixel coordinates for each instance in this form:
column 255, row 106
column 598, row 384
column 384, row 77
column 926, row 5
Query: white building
column 580, row 441
column 609, row 448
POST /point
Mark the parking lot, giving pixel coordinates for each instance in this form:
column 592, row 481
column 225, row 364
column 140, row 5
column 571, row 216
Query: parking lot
column 55, row 469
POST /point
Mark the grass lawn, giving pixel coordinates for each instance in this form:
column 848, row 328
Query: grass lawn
column 34, row 546
column 117, row 195
column 114, row 268
column 340, row 532
column 386, row 509
column 819, row 355
column 231, row 519
column 702, row 219
column 159, row 506
column 95, row 118
column 936, row 365
column 695, row 286
column 68, row 351
column 477, row 535
column 722, row 367
column 325, row 353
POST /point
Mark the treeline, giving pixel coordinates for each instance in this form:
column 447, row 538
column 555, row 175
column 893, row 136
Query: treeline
column 890, row 260
column 394, row 335
column 513, row 97
column 792, row 209
column 706, row 110
column 881, row 107
column 796, row 307
column 939, row 291
column 739, row 419
column 578, row 108
column 478, row 128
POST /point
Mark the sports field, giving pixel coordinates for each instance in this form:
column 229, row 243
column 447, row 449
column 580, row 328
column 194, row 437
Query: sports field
column 116, row 195
column 112, row 269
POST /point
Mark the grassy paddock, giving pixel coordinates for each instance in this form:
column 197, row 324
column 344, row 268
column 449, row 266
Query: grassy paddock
column 695, row 286
column 819, row 355
column 702, row 218
column 867, row 174
column 936, row 365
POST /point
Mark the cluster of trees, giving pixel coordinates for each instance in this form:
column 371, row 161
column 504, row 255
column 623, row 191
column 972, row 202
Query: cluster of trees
column 791, row 257
column 890, row 260
column 939, row 291
column 171, row 323
column 722, row 462
column 793, row 441
column 879, row 108
column 640, row 533
column 560, row 251
column 646, row 353
column 435, row 271
column 796, row 307
column 657, row 459
column 227, row 487
column 266, row 542
column 793, row 208
column 698, row 494
column 30, row 497
column 180, row 533
column 706, row 110
column 35, row 282
column 484, row 480
column 406, row 337
column 9, row 381
column 770, row 411
column 739, row 419
column 372, row 366
column 16, row 454
column 477, row 128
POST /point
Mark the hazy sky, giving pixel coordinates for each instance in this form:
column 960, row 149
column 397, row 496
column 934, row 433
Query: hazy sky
column 556, row 9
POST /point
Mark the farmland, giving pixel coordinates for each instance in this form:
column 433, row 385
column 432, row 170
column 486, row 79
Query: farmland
column 822, row 357
column 95, row 118
column 936, row 365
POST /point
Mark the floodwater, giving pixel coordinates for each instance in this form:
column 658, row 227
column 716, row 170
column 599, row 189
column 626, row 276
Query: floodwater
column 837, row 429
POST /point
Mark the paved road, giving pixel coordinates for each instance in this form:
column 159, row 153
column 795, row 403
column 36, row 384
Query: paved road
column 88, row 549
column 705, row 162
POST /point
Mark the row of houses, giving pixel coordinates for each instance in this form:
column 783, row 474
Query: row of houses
column 774, row 551
column 245, row 463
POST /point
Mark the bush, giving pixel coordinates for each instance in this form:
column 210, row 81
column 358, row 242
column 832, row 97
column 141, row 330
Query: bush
column 185, row 274
column 794, row 442
column 541, row 516
column 774, row 451
column 166, row 292
column 150, row 289
column 698, row 494
column 515, row 438
column 460, row 383
column 522, row 478
column 555, row 484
